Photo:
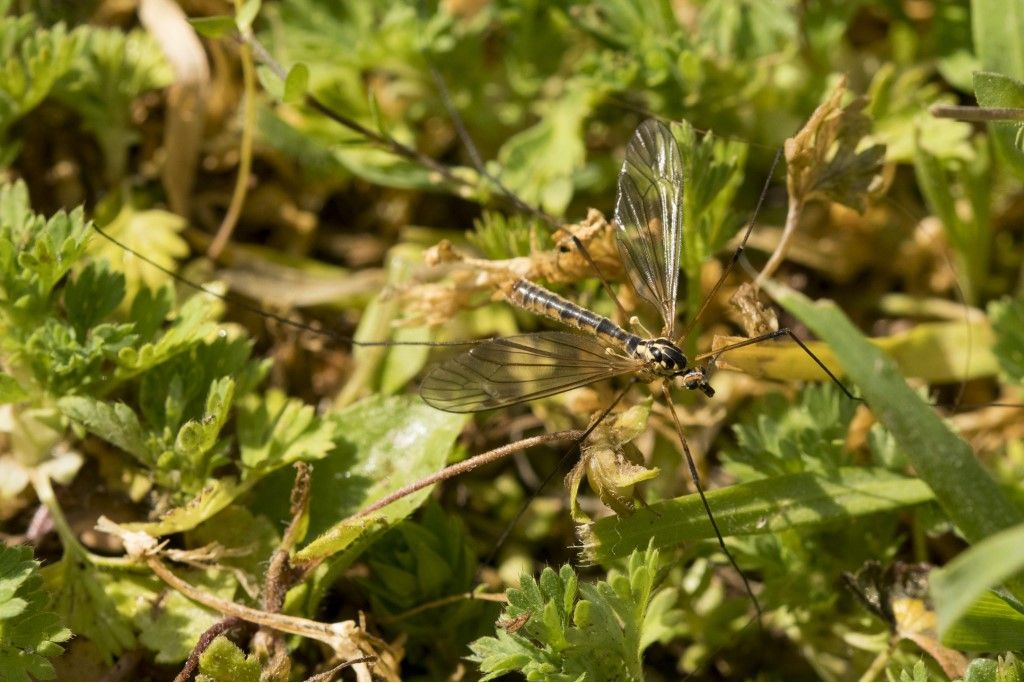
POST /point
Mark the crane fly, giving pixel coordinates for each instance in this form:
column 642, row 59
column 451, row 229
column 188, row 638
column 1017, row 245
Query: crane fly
column 648, row 223
column 649, row 235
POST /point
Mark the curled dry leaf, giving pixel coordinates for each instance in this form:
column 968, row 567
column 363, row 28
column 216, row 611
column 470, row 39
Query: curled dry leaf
column 824, row 159
column 468, row 280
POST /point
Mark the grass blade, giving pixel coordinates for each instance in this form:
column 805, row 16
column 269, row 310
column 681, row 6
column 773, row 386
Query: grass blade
column 756, row 507
column 969, row 496
column 959, row 585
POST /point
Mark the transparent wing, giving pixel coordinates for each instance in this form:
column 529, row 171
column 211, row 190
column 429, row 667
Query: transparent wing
column 649, row 217
column 511, row 370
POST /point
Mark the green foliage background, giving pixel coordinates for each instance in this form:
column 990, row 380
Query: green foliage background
column 881, row 540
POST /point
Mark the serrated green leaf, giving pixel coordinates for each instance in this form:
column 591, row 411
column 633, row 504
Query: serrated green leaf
column 171, row 627
column 384, row 443
column 757, row 507
column 212, row 499
column 113, row 422
column 112, row 69
column 598, row 632
column 274, row 431
column 224, row 661
column 29, row 635
column 96, row 604
column 197, row 437
column 93, row 295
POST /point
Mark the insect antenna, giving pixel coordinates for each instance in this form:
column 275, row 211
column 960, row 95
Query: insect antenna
column 266, row 313
column 712, row 356
column 736, row 255
column 514, row 199
column 474, row 153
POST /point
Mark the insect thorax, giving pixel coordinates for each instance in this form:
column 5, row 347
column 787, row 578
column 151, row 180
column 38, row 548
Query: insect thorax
column 666, row 359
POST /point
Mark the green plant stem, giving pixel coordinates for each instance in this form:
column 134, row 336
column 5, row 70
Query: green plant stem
column 470, row 464
column 44, row 491
column 227, row 226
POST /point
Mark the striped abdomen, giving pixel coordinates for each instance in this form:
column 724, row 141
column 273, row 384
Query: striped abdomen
column 536, row 299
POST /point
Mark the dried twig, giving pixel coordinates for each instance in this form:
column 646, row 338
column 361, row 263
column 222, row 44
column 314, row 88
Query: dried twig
column 207, row 637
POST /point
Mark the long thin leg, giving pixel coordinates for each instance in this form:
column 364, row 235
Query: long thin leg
column 474, row 154
column 554, row 470
column 784, row 332
column 510, row 196
column 735, row 255
column 703, row 499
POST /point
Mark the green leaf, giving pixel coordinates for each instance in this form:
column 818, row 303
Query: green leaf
column 984, row 566
column 998, row 28
column 247, row 14
column 296, row 84
column 580, row 631
column 224, row 661
column 967, row 493
column 538, row 163
column 758, row 507
column 1008, row 668
column 171, row 625
column 34, row 60
column 214, row 27
column 113, row 422
column 1008, row 323
column 214, row 497
column 112, row 70
column 153, row 232
column 93, row 295
column 29, row 635
column 274, row 431
column 197, row 437
column 999, row 90
column 384, row 443
column 10, row 390
column 96, row 604
column 990, row 624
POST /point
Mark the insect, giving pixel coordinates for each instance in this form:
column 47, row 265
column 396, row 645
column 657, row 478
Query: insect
column 649, row 235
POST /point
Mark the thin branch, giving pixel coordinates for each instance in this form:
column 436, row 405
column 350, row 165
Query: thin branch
column 950, row 111
column 441, row 602
column 338, row 636
column 468, row 465
column 793, row 214
column 330, row 673
column 208, row 636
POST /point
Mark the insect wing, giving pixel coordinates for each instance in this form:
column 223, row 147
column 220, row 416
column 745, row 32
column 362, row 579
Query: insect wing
column 510, row 370
column 649, row 217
